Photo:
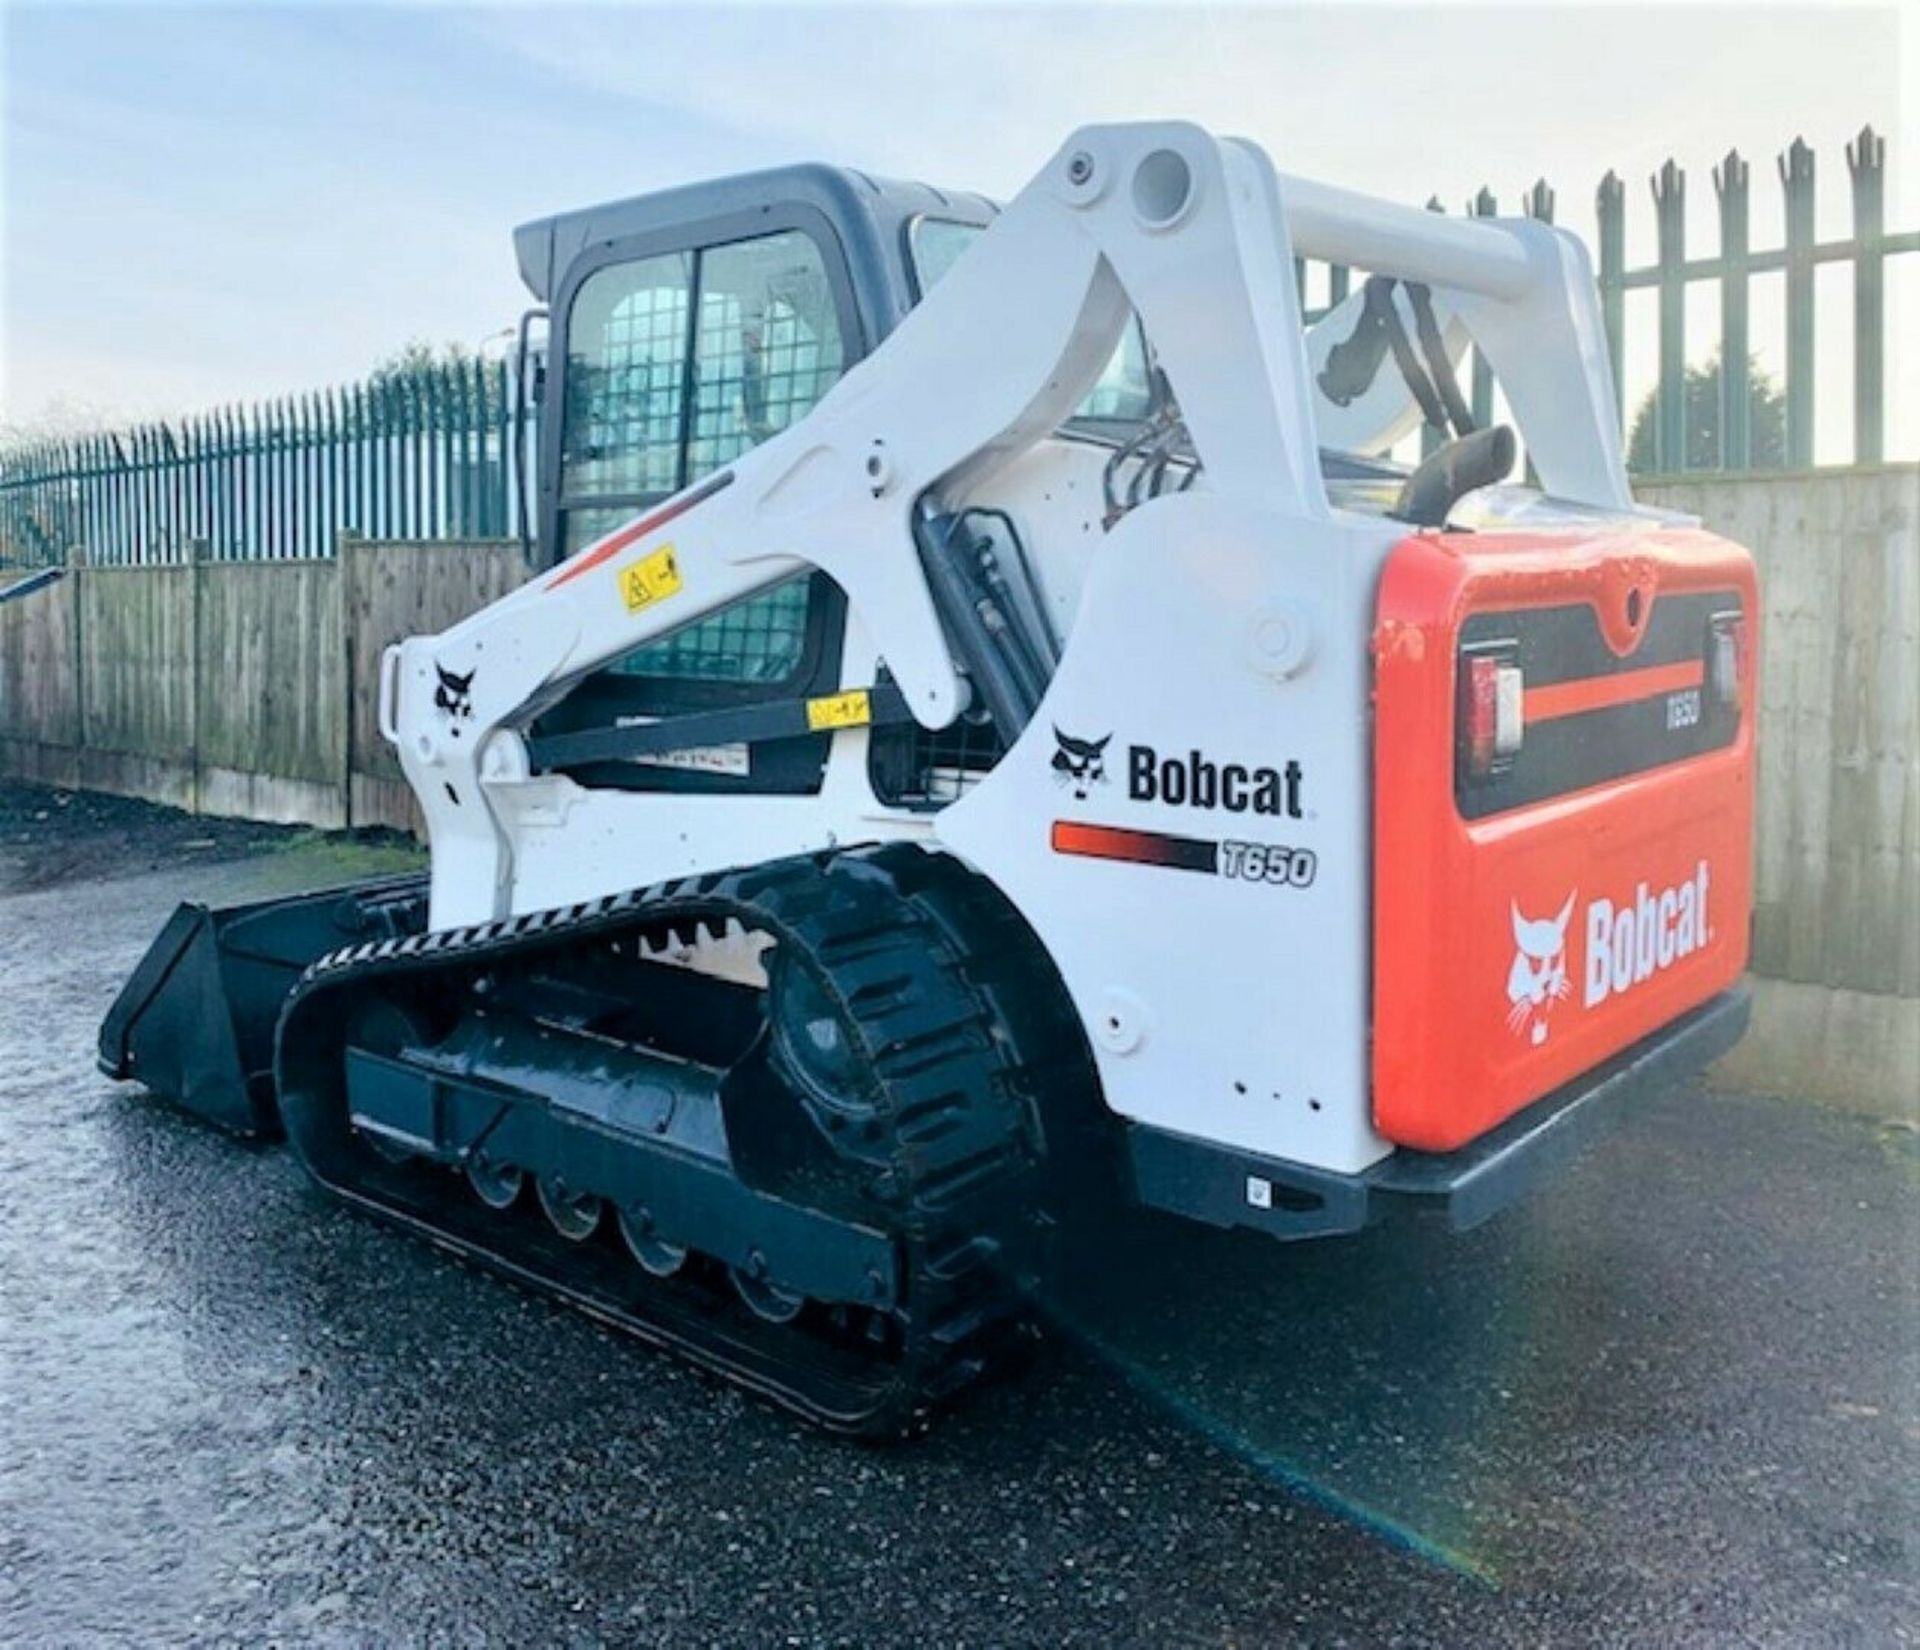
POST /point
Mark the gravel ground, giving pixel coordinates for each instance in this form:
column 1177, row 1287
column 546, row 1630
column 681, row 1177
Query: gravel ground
column 50, row 837
column 1672, row 1400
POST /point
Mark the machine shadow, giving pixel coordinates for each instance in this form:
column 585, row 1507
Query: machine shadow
column 1420, row 1385
column 451, row 1433
column 1426, row 1384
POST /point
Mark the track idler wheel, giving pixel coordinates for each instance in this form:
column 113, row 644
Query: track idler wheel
column 764, row 1298
column 657, row 1257
column 574, row 1215
column 497, row 1185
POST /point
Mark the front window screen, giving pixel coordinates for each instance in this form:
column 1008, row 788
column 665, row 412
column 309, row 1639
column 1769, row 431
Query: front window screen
column 655, row 401
column 627, row 381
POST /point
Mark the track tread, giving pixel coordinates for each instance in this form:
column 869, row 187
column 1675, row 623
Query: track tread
column 961, row 1020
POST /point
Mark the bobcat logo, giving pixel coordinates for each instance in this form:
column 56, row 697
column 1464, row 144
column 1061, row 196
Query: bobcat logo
column 454, row 694
column 1080, row 762
column 1538, row 978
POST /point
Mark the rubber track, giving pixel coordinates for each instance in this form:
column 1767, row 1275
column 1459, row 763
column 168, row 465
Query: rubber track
column 962, row 1021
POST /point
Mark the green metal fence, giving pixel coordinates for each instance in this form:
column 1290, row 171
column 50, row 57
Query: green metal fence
column 428, row 454
column 423, row 454
column 1729, row 422
column 1733, row 269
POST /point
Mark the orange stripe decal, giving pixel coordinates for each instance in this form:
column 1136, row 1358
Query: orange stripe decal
column 1180, row 853
column 1544, row 704
column 596, row 555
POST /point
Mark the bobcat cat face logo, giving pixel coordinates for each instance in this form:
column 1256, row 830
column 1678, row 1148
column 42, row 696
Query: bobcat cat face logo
column 1080, row 762
column 454, row 694
column 1538, row 978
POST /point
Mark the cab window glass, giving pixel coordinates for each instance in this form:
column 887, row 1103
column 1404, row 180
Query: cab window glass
column 626, row 377
column 654, row 401
column 937, row 245
column 768, row 348
column 1121, row 391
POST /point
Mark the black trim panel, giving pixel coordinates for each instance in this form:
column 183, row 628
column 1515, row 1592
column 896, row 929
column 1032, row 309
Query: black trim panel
column 785, row 767
column 775, row 719
column 1210, row 1183
column 1565, row 644
column 1559, row 645
column 1573, row 753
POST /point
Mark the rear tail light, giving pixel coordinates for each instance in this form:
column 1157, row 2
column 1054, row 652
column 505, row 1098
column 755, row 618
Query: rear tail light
column 1492, row 720
column 1727, row 659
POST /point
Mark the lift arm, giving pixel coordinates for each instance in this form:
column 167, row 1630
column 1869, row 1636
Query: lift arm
column 1196, row 235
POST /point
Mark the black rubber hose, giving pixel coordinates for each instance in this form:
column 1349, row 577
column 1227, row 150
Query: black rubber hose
column 957, row 594
column 1477, row 460
column 1434, row 347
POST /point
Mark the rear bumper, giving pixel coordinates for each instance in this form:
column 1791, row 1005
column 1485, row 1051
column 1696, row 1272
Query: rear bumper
column 1224, row 1187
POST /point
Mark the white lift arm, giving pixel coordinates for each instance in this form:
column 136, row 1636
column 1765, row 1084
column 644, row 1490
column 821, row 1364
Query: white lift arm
column 1196, row 235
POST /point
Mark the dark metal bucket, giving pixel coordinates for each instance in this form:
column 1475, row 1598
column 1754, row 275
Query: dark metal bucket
column 195, row 1020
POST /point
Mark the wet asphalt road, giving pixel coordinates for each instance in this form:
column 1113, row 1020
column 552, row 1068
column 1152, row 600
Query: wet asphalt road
column 1673, row 1400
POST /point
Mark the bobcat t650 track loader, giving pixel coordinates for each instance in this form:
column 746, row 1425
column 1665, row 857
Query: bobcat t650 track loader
column 990, row 729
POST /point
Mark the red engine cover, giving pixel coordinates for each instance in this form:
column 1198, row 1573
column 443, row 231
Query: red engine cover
column 1530, row 923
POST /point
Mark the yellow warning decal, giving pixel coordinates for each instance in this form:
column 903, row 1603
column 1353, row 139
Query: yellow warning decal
column 852, row 709
column 653, row 578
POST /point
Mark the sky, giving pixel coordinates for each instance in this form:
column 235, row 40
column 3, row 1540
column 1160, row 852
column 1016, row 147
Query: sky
column 207, row 203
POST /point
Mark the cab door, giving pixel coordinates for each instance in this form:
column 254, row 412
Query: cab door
column 673, row 354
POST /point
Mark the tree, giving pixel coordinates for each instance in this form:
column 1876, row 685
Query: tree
column 59, row 420
column 1766, row 417
column 417, row 356
column 417, row 360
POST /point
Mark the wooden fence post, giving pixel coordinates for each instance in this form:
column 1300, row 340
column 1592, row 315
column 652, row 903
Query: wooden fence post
column 351, row 687
column 77, row 561
column 196, row 628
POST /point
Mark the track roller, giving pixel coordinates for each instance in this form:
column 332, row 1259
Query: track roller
column 764, row 1298
column 660, row 1258
column 497, row 1185
column 574, row 1215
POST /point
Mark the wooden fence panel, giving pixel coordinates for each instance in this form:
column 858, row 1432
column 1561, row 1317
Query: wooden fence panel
column 272, row 691
column 1837, row 895
column 279, row 720
column 136, row 669
column 395, row 590
column 39, row 690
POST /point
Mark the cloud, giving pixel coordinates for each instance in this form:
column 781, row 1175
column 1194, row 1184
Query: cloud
column 215, row 202
column 1403, row 99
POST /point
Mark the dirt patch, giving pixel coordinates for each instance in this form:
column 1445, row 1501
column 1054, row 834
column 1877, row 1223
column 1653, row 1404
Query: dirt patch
column 50, row 837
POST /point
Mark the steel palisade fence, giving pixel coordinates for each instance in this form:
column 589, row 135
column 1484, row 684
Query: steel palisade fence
column 429, row 454
column 424, row 454
column 1867, row 250
column 1672, row 272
